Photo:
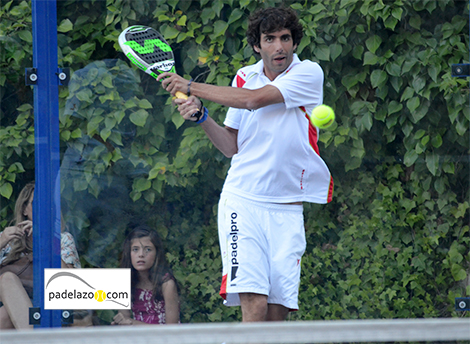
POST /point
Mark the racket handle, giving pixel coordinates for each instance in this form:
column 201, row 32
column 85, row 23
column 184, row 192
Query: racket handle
column 181, row 95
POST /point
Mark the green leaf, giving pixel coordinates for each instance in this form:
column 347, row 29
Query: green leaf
column 24, row 107
column 436, row 140
column 413, row 104
column 418, row 83
column 397, row 13
column 139, row 117
column 170, row 32
column 177, row 120
column 6, row 190
column 65, row 26
column 458, row 272
column 65, row 135
column 419, row 134
column 105, row 133
column 182, row 21
column 130, row 103
column 107, row 81
column 145, row 104
column 335, row 51
column 235, row 15
column 219, row 28
column 159, row 168
column 349, row 81
column 415, row 22
column 410, row 157
column 394, row 106
column 110, row 122
column 150, row 197
column 84, row 95
column 370, row 59
column 322, row 52
column 407, row 94
column 77, row 133
column 462, row 210
column 373, row 43
column 305, row 42
column 378, row 78
column 390, row 23
column 26, row 36
column 432, row 162
column 16, row 167
column 244, row 3
column 109, row 18
column 367, row 121
column 142, row 184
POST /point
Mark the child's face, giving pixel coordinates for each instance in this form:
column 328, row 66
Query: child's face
column 143, row 253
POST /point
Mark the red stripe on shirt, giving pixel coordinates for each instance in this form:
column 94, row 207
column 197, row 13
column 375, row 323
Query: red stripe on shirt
column 223, row 287
column 312, row 134
column 330, row 190
column 240, row 81
column 313, row 139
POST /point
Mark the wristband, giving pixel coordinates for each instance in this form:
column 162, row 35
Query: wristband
column 200, row 113
column 204, row 117
column 189, row 87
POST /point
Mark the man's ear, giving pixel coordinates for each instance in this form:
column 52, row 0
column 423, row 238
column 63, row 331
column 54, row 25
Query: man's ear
column 256, row 48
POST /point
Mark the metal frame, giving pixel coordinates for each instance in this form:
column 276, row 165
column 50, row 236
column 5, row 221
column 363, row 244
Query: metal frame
column 295, row 332
column 46, row 205
column 47, row 226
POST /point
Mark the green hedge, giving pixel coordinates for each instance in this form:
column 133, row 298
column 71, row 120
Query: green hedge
column 394, row 242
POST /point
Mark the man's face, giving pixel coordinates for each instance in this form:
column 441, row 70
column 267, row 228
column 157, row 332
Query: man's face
column 277, row 51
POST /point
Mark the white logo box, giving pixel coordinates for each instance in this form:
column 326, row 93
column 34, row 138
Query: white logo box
column 87, row 289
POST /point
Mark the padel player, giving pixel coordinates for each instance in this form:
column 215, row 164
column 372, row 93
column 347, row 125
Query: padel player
column 275, row 164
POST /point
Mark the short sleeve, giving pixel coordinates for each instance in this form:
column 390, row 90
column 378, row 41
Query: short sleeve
column 302, row 85
column 68, row 250
column 4, row 251
column 233, row 117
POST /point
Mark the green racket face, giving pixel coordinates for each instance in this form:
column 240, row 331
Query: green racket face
column 147, row 49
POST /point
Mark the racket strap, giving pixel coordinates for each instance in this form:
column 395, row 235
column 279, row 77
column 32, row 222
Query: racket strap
column 201, row 114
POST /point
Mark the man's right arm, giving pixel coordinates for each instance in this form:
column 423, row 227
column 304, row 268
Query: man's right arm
column 223, row 138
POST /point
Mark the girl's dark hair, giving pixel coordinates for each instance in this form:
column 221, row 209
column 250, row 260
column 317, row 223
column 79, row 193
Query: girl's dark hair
column 270, row 20
column 159, row 272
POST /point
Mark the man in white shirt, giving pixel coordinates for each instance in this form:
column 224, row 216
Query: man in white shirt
column 275, row 164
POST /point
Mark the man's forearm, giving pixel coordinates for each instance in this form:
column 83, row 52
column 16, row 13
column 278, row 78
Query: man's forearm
column 223, row 138
column 240, row 98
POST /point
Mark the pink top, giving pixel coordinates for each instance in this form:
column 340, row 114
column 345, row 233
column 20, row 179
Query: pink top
column 147, row 309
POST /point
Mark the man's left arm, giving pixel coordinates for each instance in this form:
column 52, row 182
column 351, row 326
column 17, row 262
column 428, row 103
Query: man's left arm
column 240, row 98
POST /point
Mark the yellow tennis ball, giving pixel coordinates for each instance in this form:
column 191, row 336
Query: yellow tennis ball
column 322, row 116
column 100, row 296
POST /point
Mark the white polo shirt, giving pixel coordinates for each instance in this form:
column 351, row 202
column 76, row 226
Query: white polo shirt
column 278, row 159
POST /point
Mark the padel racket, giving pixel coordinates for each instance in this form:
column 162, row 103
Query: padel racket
column 147, row 49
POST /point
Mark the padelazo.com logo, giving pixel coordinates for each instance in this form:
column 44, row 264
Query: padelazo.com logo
column 87, row 288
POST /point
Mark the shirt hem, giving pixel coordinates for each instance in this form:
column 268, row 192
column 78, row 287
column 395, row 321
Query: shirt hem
column 271, row 199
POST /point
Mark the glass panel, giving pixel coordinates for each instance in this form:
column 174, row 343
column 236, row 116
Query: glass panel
column 394, row 240
column 17, row 155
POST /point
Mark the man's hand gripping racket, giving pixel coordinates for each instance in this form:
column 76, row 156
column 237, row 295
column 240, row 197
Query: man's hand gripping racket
column 147, row 49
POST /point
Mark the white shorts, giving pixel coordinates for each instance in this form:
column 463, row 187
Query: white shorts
column 261, row 246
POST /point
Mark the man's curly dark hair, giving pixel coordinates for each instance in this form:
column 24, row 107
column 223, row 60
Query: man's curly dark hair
column 270, row 20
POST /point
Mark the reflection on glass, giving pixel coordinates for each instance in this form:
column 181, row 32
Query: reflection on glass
column 393, row 243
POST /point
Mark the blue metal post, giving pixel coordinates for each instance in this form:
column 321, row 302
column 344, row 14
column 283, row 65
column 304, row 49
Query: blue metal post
column 46, row 205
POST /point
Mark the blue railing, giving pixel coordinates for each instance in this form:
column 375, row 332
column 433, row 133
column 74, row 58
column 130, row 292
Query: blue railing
column 46, row 205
